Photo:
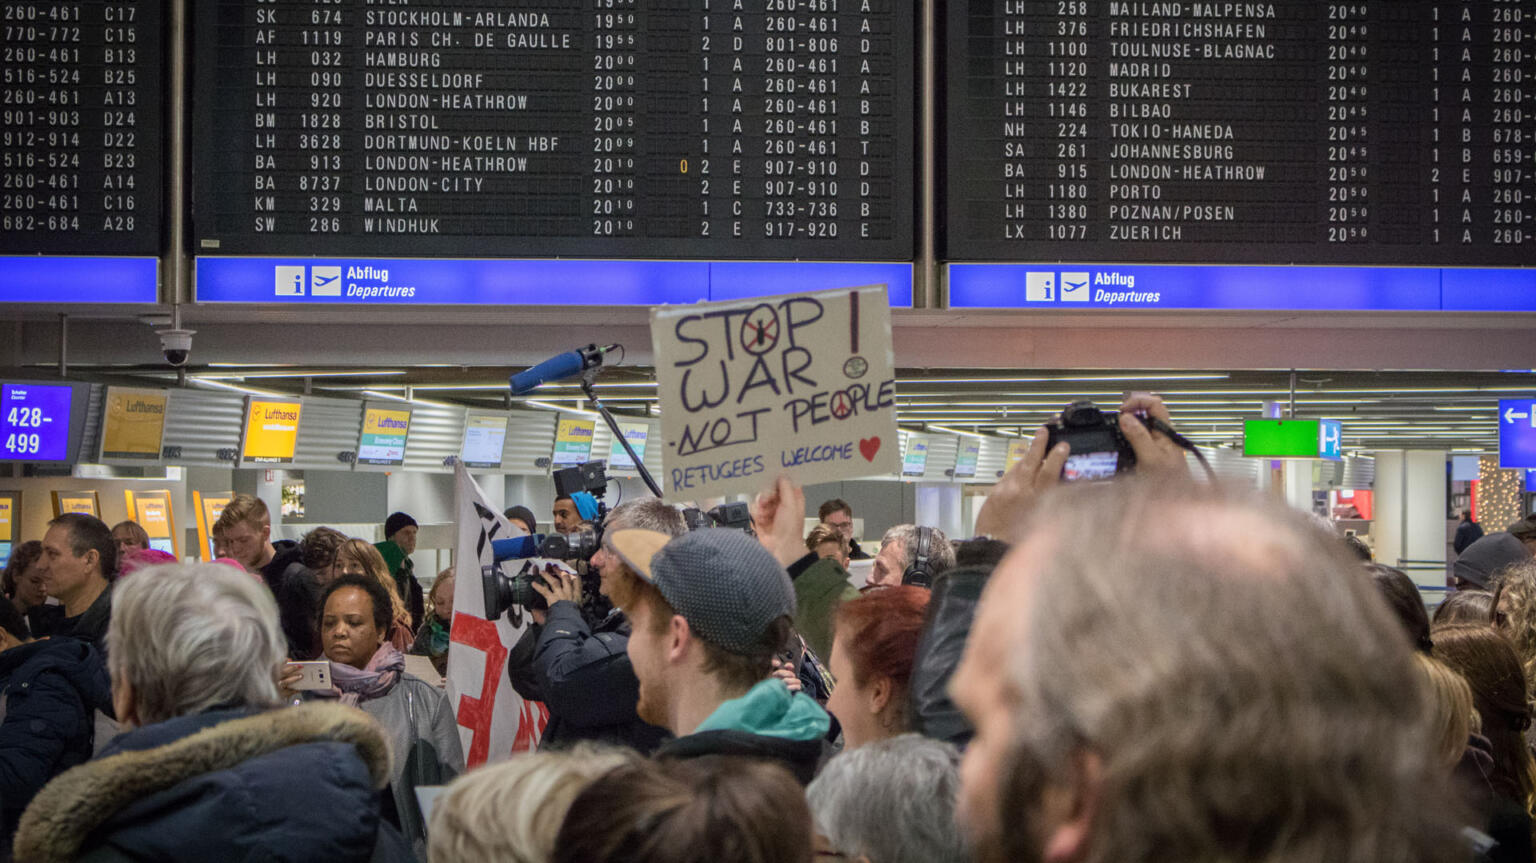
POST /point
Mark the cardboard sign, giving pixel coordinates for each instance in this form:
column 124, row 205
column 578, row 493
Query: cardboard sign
column 271, row 431
column 134, row 425
column 802, row 385
column 573, row 441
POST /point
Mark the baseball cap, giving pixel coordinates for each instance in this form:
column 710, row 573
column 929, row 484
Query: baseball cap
column 722, row 581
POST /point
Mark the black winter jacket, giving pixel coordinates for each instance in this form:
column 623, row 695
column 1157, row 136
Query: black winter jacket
column 291, row 784
column 51, row 691
column 588, row 683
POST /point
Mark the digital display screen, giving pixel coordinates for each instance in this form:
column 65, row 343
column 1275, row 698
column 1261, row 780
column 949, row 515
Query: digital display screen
column 82, row 140
column 615, row 130
column 484, row 439
column 34, row 422
column 915, row 461
column 271, row 431
column 162, row 544
column 636, row 434
column 1291, row 132
column 967, row 457
column 1090, row 466
column 384, row 433
column 573, row 442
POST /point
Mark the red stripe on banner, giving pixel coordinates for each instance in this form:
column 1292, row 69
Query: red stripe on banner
column 476, row 711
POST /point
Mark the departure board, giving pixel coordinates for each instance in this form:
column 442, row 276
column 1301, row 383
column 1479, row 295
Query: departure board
column 81, row 142
column 1268, row 133
column 602, row 128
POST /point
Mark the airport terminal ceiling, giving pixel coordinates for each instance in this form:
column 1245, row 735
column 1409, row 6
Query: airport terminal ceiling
column 1450, row 411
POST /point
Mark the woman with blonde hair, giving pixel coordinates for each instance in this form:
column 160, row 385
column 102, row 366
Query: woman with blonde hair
column 356, row 557
column 437, row 622
column 512, row 811
column 1453, row 716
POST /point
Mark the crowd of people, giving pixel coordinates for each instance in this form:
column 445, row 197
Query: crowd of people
column 1155, row 668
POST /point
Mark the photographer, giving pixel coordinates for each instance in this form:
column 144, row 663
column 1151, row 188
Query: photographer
column 588, row 682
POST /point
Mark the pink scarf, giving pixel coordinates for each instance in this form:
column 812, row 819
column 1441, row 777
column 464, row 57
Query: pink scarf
column 353, row 685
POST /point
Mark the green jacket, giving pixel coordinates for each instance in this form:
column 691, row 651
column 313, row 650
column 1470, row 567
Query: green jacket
column 404, row 572
column 818, row 592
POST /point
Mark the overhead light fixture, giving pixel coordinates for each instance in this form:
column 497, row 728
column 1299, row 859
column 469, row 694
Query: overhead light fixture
column 550, row 406
column 239, row 389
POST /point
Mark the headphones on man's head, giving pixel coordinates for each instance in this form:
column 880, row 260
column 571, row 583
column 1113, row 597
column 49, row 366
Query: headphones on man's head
column 919, row 572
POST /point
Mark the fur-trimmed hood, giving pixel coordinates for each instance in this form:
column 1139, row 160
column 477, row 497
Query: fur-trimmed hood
column 272, row 785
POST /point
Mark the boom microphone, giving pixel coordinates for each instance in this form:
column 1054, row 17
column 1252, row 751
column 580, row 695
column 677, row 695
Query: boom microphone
column 558, row 368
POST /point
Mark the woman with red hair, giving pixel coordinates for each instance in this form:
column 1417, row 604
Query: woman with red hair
column 872, row 655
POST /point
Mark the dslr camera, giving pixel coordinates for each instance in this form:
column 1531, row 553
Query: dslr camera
column 1099, row 449
column 737, row 516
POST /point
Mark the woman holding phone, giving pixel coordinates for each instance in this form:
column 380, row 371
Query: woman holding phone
column 368, row 672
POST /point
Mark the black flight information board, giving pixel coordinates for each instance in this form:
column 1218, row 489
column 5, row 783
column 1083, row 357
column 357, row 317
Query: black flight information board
column 602, row 128
column 81, row 127
column 1266, row 133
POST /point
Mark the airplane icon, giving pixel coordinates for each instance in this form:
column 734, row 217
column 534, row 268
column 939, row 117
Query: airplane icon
column 325, row 281
column 1075, row 287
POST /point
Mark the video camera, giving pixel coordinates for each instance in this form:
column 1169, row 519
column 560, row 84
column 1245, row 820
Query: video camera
column 732, row 515
column 502, row 591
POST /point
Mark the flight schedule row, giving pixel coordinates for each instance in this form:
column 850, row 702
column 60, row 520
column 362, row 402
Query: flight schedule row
column 606, row 128
column 1280, row 132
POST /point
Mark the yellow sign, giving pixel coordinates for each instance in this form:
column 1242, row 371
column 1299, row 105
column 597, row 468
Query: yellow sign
column 76, row 501
column 573, row 441
column 135, row 424
column 7, row 514
column 384, row 434
column 271, row 431
column 1016, row 450
column 152, row 510
column 208, row 511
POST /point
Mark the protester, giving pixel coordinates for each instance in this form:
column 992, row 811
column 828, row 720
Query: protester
column 210, row 771
column 1402, row 596
column 566, row 516
column 522, row 516
column 838, row 515
column 1486, row 559
column 78, row 560
column 1524, row 530
column 702, row 810
column 1512, row 610
column 25, row 584
column 318, row 550
column 244, row 532
column 1465, row 606
column 892, row 801
column 399, row 544
column 710, row 609
column 1487, row 661
column 1125, row 678
column 298, row 597
column 821, row 583
column 432, row 638
column 899, row 550
column 511, row 812
column 1454, row 716
column 586, row 678
column 872, row 659
column 356, row 557
column 1467, row 532
column 50, row 691
column 129, row 537
column 368, row 672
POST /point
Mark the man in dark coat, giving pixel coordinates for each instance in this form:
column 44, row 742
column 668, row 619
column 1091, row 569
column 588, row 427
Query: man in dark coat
column 1467, row 532
column 50, row 691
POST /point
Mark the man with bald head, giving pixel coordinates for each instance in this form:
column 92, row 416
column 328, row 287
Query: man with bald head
column 1164, row 671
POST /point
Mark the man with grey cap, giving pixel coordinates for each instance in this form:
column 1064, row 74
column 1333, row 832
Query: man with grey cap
column 1486, row 558
column 710, row 610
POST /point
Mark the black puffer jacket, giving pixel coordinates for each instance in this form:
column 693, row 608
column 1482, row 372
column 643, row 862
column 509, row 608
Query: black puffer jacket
column 51, row 691
column 950, row 613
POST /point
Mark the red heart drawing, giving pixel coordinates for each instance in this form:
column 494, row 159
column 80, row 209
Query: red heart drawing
column 868, row 447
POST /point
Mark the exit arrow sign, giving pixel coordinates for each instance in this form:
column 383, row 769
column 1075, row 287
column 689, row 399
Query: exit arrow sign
column 1517, row 433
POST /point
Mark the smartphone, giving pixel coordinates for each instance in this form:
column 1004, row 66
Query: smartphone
column 315, row 675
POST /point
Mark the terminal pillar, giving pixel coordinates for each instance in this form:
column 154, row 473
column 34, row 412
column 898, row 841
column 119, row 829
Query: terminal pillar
column 1409, row 524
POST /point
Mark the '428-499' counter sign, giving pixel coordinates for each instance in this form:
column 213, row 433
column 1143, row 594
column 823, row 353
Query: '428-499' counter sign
column 802, row 384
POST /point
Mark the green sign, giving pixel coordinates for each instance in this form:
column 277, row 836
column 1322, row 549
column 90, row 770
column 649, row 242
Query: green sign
column 1281, row 438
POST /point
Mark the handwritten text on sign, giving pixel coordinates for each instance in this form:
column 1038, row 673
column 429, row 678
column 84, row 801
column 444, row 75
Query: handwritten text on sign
column 801, row 384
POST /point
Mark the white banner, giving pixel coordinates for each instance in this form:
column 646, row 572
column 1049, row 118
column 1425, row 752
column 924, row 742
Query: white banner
column 494, row 721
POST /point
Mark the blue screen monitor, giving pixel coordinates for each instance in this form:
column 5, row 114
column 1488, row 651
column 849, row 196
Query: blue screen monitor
column 40, row 422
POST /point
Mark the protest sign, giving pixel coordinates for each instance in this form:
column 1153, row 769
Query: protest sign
column 802, row 385
column 494, row 720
